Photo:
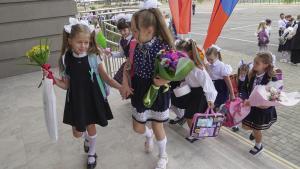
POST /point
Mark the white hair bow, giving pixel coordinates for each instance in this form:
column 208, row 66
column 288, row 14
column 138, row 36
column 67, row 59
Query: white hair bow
column 74, row 21
column 148, row 4
column 127, row 17
column 216, row 47
column 242, row 62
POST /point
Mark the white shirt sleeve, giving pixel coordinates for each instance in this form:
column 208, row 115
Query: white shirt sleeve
column 118, row 54
column 207, row 85
column 226, row 70
column 63, row 60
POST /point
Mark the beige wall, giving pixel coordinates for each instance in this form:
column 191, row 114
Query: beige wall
column 23, row 23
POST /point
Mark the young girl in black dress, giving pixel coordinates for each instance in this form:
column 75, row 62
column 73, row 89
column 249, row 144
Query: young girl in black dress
column 86, row 104
column 123, row 25
column 220, row 74
column 151, row 32
column 203, row 93
column 260, row 118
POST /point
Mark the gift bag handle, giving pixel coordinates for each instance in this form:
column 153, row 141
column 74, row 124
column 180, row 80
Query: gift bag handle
column 210, row 111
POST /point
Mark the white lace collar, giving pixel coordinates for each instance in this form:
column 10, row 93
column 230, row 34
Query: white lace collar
column 261, row 75
column 81, row 55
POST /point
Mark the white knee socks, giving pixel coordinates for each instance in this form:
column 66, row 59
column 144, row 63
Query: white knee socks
column 92, row 148
column 148, row 132
column 162, row 144
column 85, row 135
column 179, row 112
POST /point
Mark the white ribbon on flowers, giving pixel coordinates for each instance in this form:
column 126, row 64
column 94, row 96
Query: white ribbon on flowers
column 74, row 21
column 216, row 47
column 148, row 4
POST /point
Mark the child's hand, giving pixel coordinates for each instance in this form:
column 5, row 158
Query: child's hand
column 159, row 81
column 107, row 53
column 210, row 104
column 247, row 103
column 126, row 91
column 232, row 97
column 45, row 72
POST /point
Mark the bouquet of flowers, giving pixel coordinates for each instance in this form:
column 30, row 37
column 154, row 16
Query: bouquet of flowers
column 38, row 56
column 272, row 95
column 169, row 65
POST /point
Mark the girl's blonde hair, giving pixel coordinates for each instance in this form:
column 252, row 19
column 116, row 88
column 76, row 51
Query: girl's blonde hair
column 213, row 51
column 152, row 17
column 261, row 26
column 75, row 30
column 266, row 58
column 189, row 46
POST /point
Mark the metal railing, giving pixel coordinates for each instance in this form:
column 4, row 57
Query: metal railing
column 112, row 35
column 112, row 38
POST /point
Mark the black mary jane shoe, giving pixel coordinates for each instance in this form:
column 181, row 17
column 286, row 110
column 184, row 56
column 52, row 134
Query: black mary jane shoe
column 179, row 121
column 251, row 137
column 256, row 151
column 94, row 164
column 235, row 129
column 191, row 139
column 85, row 146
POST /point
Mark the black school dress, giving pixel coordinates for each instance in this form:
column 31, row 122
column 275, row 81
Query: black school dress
column 197, row 103
column 143, row 65
column 259, row 119
column 85, row 103
column 179, row 102
column 125, row 45
column 295, row 46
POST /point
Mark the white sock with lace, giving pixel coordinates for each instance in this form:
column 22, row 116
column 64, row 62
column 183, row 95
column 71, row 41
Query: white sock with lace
column 179, row 112
column 162, row 145
column 258, row 145
column 92, row 148
column 85, row 135
column 148, row 132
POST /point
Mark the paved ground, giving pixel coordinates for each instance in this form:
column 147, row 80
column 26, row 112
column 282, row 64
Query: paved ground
column 24, row 143
column 238, row 38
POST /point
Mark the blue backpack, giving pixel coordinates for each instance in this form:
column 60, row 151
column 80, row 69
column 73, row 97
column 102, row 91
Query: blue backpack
column 104, row 88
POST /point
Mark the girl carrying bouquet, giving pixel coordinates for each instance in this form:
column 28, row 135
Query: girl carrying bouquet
column 86, row 104
column 260, row 118
column 150, row 30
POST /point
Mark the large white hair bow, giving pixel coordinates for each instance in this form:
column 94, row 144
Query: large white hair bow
column 127, row 17
column 216, row 47
column 74, row 21
column 148, row 4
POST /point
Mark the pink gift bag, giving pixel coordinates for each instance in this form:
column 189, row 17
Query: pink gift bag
column 234, row 112
column 206, row 124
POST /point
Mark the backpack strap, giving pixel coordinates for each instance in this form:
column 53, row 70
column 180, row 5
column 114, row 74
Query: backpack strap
column 132, row 46
column 94, row 69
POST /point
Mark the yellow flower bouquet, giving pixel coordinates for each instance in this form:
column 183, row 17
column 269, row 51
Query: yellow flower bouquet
column 39, row 56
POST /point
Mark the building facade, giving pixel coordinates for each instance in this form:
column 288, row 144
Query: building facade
column 23, row 23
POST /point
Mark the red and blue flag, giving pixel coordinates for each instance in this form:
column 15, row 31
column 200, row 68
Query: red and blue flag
column 221, row 12
column 181, row 14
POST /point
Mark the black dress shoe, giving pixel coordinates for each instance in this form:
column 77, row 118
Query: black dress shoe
column 94, row 164
column 256, row 151
column 177, row 120
column 86, row 146
column 251, row 137
column 191, row 139
column 235, row 129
